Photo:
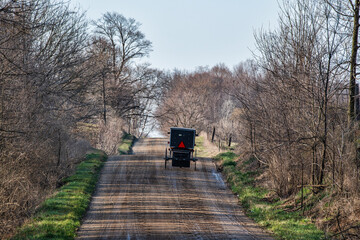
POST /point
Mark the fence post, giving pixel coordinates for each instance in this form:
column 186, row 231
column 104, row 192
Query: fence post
column 213, row 135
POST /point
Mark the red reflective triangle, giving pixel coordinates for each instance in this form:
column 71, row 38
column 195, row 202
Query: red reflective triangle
column 181, row 145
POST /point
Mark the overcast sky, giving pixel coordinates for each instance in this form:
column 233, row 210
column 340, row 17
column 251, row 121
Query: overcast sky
column 190, row 33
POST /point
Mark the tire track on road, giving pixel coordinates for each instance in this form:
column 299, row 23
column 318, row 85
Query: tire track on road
column 136, row 198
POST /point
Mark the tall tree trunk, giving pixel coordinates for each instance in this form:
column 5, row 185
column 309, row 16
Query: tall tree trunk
column 59, row 149
column 325, row 116
column 314, row 165
column 352, row 85
column 104, row 99
column 351, row 110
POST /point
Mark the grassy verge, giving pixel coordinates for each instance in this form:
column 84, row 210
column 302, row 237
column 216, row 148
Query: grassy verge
column 126, row 144
column 269, row 214
column 199, row 148
column 59, row 216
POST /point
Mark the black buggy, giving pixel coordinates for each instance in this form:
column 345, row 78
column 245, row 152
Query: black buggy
column 181, row 147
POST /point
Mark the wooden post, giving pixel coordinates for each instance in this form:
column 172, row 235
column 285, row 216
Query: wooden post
column 302, row 187
column 129, row 129
column 213, row 135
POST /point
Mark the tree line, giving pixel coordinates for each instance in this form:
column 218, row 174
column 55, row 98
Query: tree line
column 293, row 108
column 67, row 84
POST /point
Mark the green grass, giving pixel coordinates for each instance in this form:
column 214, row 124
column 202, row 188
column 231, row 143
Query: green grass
column 199, row 148
column 227, row 158
column 59, row 216
column 126, row 144
column 269, row 214
column 225, row 146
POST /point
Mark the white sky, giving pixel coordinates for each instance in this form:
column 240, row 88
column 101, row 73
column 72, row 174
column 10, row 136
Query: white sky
column 190, row 33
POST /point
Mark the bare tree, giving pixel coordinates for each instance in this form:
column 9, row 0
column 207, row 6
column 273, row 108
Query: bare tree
column 42, row 83
column 353, row 60
column 123, row 42
column 302, row 60
column 196, row 100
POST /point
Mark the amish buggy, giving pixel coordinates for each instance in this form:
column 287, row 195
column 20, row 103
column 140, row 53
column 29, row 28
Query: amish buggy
column 181, row 147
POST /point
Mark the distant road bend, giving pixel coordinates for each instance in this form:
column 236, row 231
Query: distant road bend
column 136, row 198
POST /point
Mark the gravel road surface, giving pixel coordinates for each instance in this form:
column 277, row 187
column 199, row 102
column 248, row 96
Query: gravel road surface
column 136, row 198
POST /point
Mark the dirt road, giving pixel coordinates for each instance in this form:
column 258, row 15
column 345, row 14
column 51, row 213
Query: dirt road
column 137, row 198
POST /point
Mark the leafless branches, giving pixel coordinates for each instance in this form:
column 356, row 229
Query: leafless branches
column 56, row 78
column 289, row 107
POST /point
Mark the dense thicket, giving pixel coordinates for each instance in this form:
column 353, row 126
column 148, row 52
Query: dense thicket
column 293, row 108
column 289, row 107
column 193, row 100
column 63, row 89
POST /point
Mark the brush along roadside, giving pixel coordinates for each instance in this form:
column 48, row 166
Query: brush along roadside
column 269, row 213
column 60, row 216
